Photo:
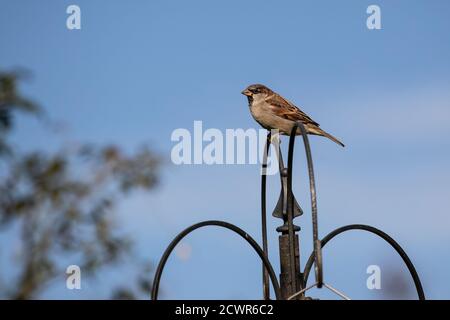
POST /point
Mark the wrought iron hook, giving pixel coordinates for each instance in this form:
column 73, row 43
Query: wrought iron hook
column 226, row 225
column 312, row 187
column 381, row 234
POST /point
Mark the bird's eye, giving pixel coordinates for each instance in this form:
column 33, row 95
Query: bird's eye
column 256, row 90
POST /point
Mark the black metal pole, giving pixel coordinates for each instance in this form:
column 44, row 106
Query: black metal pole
column 290, row 277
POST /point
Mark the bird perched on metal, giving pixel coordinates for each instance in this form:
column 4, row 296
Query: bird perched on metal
column 272, row 111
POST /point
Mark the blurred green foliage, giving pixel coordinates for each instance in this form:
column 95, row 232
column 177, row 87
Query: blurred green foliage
column 62, row 203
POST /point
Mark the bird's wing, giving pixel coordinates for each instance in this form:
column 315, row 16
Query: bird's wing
column 285, row 109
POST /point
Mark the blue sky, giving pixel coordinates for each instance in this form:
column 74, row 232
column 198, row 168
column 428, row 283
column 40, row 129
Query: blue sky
column 137, row 71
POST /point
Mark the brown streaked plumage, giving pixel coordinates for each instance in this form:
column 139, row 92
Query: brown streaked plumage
column 272, row 111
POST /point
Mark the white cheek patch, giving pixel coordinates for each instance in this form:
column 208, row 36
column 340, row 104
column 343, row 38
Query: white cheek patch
column 258, row 98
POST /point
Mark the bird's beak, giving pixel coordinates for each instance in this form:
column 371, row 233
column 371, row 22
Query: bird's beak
column 247, row 93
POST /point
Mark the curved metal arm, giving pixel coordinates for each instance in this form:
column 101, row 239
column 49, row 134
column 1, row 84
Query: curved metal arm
column 312, row 188
column 222, row 224
column 266, row 291
column 382, row 235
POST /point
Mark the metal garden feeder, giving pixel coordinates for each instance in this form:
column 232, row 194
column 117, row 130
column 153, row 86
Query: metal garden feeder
column 292, row 283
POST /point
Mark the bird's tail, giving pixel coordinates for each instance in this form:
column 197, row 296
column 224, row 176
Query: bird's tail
column 320, row 132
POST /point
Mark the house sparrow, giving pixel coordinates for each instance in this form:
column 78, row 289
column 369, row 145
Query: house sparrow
column 272, row 111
